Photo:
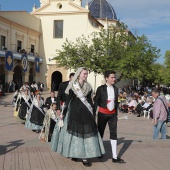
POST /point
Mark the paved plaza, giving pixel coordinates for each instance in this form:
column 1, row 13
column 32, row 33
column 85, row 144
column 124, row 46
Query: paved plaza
column 20, row 148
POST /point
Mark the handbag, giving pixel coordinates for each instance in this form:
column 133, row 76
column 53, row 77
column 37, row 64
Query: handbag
column 168, row 114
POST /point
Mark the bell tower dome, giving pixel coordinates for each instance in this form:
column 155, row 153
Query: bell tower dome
column 102, row 9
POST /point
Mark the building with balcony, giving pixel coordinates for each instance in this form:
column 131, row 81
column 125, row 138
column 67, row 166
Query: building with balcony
column 33, row 38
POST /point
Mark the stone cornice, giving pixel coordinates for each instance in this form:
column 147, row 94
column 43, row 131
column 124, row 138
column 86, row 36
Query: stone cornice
column 4, row 30
column 78, row 7
column 40, row 8
column 81, row 9
column 63, row 13
column 19, row 27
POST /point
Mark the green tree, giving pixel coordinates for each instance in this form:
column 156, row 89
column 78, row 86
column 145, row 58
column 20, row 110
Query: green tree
column 140, row 56
column 113, row 48
column 166, row 74
column 157, row 74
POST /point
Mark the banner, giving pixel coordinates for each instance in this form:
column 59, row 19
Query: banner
column 37, row 64
column 9, row 60
column 24, row 61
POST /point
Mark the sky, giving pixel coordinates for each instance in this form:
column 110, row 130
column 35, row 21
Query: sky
column 148, row 17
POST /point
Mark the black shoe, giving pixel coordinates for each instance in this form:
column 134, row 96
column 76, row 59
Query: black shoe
column 100, row 157
column 74, row 159
column 86, row 163
column 118, row 160
column 138, row 115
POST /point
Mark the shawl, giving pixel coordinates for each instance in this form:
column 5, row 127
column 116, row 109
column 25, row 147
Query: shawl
column 86, row 88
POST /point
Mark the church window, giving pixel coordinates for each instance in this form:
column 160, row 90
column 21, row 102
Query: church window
column 19, row 46
column 32, row 48
column 3, row 39
column 59, row 6
column 58, row 29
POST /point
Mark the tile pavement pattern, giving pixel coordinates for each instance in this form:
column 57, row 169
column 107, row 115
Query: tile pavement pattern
column 20, row 148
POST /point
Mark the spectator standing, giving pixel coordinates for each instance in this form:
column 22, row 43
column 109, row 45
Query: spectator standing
column 50, row 100
column 159, row 115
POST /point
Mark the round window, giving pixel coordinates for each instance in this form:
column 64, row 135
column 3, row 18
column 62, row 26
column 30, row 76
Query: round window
column 59, row 6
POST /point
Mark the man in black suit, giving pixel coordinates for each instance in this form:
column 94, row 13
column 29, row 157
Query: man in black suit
column 61, row 97
column 50, row 100
column 107, row 99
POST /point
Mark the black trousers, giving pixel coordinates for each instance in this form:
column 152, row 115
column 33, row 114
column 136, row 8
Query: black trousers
column 103, row 119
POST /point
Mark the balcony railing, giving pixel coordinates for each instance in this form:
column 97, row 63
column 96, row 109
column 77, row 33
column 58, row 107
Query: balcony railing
column 18, row 56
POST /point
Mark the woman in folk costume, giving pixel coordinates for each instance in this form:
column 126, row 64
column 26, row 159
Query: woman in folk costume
column 15, row 99
column 32, row 94
column 49, row 122
column 36, row 114
column 25, row 103
column 17, row 103
column 79, row 137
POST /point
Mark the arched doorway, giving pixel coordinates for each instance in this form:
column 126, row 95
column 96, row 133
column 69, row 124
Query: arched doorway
column 31, row 76
column 56, row 79
column 17, row 76
column 2, row 75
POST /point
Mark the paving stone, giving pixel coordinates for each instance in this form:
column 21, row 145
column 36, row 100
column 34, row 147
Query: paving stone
column 20, row 148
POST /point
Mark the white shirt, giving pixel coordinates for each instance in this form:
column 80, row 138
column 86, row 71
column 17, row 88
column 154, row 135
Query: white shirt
column 111, row 97
column 133, row 103
column 52, row 99
column 110, row 92
column 35, row 85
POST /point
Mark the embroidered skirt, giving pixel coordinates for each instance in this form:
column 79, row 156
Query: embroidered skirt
column 72, row 146
column 32, row 126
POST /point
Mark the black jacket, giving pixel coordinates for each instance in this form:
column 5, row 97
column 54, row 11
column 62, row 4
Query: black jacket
column 101, row 97
column 61, row 97
column 48, row 102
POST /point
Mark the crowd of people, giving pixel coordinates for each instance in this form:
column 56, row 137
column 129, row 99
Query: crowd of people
column 153, row 102
column 68, row 121
column 12, row 86
column 140, row 102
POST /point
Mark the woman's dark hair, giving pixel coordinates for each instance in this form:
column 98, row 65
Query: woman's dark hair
column 108, row 72
column 38, row 94
column 71, row 74
column 155, row 90
column 54, row 103
column 84, row 68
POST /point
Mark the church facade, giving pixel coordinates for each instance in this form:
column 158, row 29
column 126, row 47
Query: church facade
column 29, row 41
